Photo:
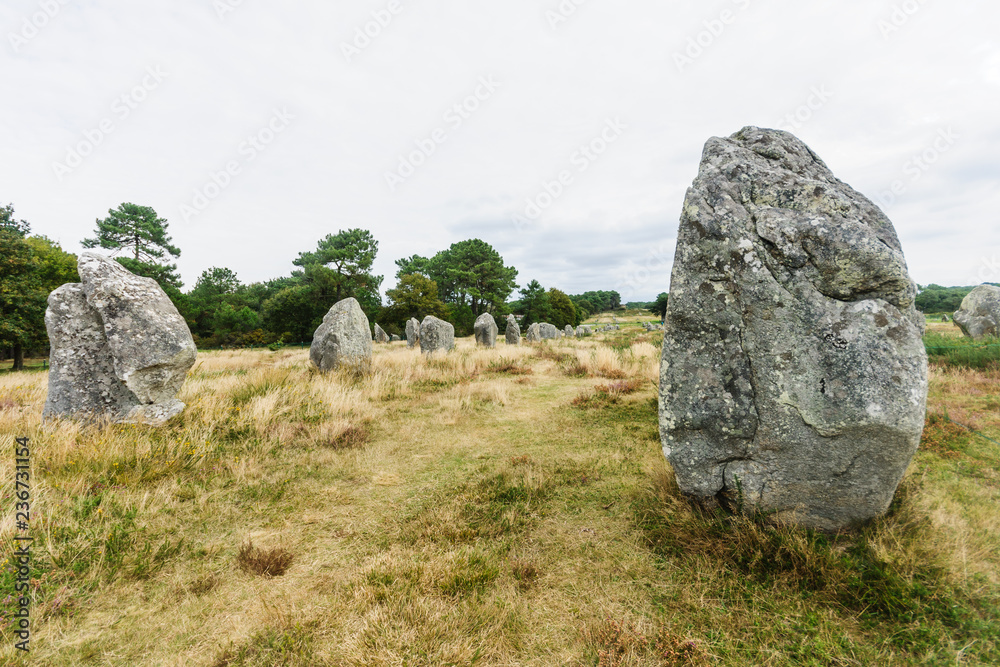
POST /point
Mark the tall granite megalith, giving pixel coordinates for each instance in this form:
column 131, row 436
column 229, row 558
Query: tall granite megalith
column 120, row 351
column 794, row 379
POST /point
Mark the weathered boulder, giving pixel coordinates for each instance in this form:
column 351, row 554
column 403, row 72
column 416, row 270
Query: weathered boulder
column 343, row 340
column 120, row 351
column 534, row 334
column 513, row 333
column 436, row 335
column 486, row 330
column 380, row 335
column 794, row 379
column 412, row 332
column 569, row 331
column 979, row 315
column 394, row 338
column 548, row 331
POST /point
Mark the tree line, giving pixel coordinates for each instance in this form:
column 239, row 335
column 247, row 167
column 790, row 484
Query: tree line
column 457, row 284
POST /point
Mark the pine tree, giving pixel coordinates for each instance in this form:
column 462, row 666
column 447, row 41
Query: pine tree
column 140, row 232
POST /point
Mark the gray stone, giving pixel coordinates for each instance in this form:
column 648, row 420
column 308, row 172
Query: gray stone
column 979, row 315
column 412, row 332
column 513, row 334
column 380, row 335
column 436, row 335
column 120, row 351
column 569, row 331
column 534, row 334
column 486, row 330
column 343, row 340
column 794, row 379
column 394, row 338
column 548, row 331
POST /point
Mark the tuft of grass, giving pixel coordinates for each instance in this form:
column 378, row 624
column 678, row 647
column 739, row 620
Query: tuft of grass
column 272, row 562
column 292, row 646
column 508, row 367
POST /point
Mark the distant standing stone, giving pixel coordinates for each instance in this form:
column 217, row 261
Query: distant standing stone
column 548, row 331
column 344, row 339
column 486, row 330
column 979, row 315
column 380, row 335
column 394, row 338
column 794, row 378
column 569, row 331
column 534, row 334
column 513, row 334
column 412, row 332
column 120, row 351
column 436, row 335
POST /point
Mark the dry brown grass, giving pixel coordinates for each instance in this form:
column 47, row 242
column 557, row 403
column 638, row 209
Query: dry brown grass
column 269, row 562
column 445, row 510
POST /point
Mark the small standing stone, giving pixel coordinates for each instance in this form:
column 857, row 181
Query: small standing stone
column 344, row 339
column 534, row 334
column 569, row 331
column 513, row 334
column 486, row 330
column 979, row 315
column 412, row 332
column 436, row 335
column 380, row 335
column 394, row 338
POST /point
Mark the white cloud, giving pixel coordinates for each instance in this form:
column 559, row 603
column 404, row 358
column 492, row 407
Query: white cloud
column 326, row 171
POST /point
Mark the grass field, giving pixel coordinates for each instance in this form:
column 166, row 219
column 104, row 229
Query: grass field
column 488, row 507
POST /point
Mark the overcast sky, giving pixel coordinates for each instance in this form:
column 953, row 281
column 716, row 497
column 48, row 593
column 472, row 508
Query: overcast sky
column 256, row 128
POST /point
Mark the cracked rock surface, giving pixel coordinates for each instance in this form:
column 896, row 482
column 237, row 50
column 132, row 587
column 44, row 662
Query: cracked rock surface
column 794, row 378
column 120, row 351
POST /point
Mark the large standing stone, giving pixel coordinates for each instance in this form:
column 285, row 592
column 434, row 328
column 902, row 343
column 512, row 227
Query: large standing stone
column 380, row 335
column 486, row 330
column 436, row 335
column 534, row 334
column 513, row 333
column 979, row 315
column 120, row 351
column 343, row 340
column 412, row 332
column 794, row 377
column 548, row 331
